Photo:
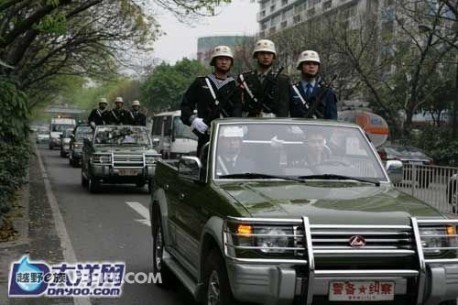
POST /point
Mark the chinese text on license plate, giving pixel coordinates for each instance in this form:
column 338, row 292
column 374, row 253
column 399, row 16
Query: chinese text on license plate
column 127, row 172
column 361, row 291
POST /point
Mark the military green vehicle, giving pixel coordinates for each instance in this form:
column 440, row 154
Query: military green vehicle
column 118, row 154
column 292, row 211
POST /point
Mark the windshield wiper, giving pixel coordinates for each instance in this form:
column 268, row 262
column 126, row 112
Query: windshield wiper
column 338, row 177
column 259, row 175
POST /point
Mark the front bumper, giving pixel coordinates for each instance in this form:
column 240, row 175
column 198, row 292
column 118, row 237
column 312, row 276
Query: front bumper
column 281, row 284
column 110, row 174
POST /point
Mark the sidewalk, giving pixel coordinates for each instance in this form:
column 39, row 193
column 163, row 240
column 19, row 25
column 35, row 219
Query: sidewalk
column 37, row 236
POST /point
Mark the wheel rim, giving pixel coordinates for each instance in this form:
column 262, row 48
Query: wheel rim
column 213, row 292
column 159, row 249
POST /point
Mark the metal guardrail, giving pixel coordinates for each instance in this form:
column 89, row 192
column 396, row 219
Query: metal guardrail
column 436, row 185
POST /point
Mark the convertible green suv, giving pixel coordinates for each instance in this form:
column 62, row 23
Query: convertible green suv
column 294, row 211
column 118, row 154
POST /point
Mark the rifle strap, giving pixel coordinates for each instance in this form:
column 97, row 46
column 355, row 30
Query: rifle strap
column 247, row 89
column 212, row 91
column 115, row 116
column 300, row 97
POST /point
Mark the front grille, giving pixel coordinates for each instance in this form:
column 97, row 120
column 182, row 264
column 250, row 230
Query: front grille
column 126, row 160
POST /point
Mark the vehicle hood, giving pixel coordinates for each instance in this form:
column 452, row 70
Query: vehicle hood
column 328, row 202
column 55, row 134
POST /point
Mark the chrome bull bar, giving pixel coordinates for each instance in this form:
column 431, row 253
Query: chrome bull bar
column 410, row 236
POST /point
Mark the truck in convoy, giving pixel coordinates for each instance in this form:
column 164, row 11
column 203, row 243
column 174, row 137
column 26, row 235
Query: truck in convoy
column 295, row 211
column 171, row 138
column 56, row 129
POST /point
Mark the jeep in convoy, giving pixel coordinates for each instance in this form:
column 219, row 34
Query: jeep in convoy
column 293, row 211
column 118, row 154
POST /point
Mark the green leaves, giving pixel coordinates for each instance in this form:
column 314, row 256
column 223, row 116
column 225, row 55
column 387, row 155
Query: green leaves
column 164, row 88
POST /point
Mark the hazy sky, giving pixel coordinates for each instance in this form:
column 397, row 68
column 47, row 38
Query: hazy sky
column 239, row 17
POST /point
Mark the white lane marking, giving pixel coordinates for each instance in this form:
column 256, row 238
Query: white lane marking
column 140, row 209
column 65, row 243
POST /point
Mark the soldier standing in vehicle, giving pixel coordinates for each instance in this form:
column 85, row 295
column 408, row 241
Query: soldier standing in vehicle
column 118, row 115
column 98, row 116
column 311, row 97
column 265, row 92
column 215, row 96
column 138, row 117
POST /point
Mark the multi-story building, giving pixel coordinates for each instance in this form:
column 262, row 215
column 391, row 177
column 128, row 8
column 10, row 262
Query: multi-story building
column 277, row 15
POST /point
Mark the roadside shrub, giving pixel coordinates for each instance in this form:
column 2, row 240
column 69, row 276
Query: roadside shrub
column 439, row 143
column 14, row 144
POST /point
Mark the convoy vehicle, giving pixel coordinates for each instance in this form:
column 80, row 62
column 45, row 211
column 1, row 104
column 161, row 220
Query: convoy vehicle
column 312, row 217
column 42, row 135
column 118, row 154
column 171, row 137
column 452, row 192
column 80, row 132
column 65, row 139
column 56, row 128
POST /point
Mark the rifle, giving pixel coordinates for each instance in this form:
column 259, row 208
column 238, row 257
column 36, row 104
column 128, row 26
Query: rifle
column 270, row 91
column 325, row 87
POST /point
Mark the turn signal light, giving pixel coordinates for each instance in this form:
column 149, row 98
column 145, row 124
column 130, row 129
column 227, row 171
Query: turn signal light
column 244, row 230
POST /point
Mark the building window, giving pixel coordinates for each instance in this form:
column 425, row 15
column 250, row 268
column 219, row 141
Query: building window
column 327, row 5
column 316, row 1
column 297, row 19
column 284, row 24
column 272, row 30
column 284, row 2
column 272, row 8
column 311, row 12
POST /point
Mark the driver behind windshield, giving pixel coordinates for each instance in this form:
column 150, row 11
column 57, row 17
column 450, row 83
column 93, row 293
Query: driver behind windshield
column 229, row 158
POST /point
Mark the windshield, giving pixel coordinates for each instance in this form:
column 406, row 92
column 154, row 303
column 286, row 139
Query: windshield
column 83, row 132
column 60, row 127
column 181, row 130
column 295, row 150
column 122, row 135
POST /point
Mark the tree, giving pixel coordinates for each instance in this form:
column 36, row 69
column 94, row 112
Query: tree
column 164, row 88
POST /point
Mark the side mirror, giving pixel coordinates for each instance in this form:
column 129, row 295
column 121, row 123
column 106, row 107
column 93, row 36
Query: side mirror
column 189, row 167
column 395, row 170
column 72, row 136
column 155, row 142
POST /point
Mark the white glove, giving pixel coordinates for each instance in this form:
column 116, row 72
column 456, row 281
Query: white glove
column 276, row 143
column 92, row 125
column 199, row 125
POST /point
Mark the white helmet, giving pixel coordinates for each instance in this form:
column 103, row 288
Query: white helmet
column 221, row 51
column 232, row 132
column 264, row 45
column 119, row 100
column 136, row 103
column 103, row 100
column 308, row 55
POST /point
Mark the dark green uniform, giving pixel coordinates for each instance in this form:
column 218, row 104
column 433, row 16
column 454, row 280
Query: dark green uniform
column 268, row 93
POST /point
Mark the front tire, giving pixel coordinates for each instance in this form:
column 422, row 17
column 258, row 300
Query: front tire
column 93, row 185
column 158, row 250
column 217, row 289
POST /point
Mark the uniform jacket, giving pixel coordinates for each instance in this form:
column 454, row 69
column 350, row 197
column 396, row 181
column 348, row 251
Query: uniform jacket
column 138, row 118
column 199, row 96
column 325, row 109
column 119, row 117
column 98, row 116
column 272, row 94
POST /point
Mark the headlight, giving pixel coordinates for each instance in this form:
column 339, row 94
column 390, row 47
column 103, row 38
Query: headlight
column 101, row 158
column 271, row 240
column 76, row 146
column 433, row 238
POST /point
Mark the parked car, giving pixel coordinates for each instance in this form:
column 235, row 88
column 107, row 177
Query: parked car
column 413, row 159
column 42, row 135
column 80, row 132
column 65, row 139
column 287, row 211
column 118, row 154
